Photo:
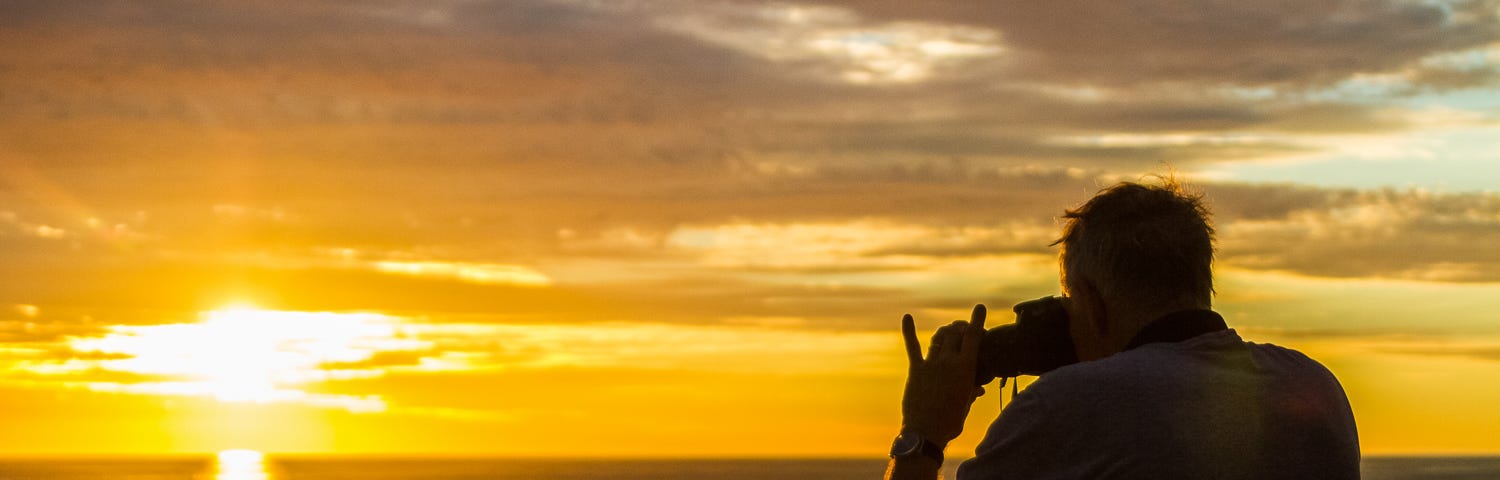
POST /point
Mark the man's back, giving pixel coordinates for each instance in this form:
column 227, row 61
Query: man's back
column 1212, row 406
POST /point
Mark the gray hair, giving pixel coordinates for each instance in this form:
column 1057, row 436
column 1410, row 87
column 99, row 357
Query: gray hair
column 1144, row 246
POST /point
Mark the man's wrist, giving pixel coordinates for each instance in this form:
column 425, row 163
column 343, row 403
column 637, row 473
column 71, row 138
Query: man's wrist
column 914, row 468
column 911, row 443
column 917, row 462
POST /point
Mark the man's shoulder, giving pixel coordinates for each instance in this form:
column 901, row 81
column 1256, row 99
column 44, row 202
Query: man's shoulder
column 1272, row 354
column 1150, row 359
column 1150, row 366
column 1297, row 373
column 1192, row 405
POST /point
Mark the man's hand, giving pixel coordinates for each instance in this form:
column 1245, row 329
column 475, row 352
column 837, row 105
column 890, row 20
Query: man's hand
column 940, row 389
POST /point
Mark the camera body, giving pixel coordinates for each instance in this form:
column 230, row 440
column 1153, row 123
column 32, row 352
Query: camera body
column 1036, row 343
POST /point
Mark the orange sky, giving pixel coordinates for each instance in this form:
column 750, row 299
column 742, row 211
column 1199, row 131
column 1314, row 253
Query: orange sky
column 689, row 228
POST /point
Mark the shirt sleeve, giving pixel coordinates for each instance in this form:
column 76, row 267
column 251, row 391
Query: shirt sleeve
column 1022, row 443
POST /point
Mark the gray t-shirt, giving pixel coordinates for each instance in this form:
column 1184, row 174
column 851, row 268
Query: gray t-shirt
column 1212, row 406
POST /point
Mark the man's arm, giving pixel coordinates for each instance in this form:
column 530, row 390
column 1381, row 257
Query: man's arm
column 939, row 390
column 912, row 468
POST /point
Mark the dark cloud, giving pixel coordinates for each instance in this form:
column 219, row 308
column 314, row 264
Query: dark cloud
column 1283, row 43
column 1353, row 233
column 527, row 74
column 183, row 150
column 1452, row 78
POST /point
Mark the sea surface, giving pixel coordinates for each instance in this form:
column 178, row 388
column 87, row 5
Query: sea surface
column 319, row 468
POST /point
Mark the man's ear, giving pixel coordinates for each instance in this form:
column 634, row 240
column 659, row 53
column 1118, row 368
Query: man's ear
column 1087, row 299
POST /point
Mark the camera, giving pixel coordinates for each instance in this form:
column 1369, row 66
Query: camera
column 1036, row 343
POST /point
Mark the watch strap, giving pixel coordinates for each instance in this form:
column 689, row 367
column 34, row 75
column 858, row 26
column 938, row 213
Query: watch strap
column 932, row 450
column 925, row 447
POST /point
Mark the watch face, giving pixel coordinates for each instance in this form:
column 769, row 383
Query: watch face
column 906, row 444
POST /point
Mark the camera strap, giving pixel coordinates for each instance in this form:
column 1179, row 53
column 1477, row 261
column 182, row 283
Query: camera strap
column 1179, row 326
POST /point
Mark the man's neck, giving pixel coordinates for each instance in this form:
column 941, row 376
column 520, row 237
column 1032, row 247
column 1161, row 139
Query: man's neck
column 1130, row 324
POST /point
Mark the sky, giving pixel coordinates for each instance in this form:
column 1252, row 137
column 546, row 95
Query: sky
column 672, row 228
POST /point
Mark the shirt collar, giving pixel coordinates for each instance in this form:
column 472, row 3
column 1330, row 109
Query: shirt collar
column 1179, row 326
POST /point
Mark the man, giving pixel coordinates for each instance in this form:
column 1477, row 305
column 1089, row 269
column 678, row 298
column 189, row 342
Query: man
column 1162, row 390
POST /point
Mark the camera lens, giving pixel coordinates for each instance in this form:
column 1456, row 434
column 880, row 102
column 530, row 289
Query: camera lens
column 1036, row 343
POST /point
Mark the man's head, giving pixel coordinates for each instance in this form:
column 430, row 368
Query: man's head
column 1131, row 254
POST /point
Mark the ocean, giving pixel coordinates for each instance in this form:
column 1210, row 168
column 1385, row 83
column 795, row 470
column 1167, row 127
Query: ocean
column 330, row 468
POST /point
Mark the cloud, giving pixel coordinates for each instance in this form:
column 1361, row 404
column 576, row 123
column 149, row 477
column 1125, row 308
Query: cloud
column 833, row 44
column 381, row 359
column 598, row 151
column 468, row 272
column 487, row 127
column 543, row 71
column 331, row 360
column 1486, row 352
column 42, row 330
column 652, row 346
column 1350, row 233
column 1281, row 44
column 1435, row 343
column 827, row 245
column 861, row 244
column 231, row 355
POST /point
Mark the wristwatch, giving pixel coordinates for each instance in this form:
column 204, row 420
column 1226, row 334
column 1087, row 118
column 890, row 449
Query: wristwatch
column 909, row 444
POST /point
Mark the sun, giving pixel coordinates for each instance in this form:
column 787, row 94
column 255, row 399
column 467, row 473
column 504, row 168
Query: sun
column 240, row 352
column 247, row 354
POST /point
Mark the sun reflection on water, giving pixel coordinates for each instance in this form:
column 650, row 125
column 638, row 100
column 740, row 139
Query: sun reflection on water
column 241, row 465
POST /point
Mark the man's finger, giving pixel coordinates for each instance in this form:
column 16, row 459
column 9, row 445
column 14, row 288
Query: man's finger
column 946, row 340
column 913, row 345
column 973, row 335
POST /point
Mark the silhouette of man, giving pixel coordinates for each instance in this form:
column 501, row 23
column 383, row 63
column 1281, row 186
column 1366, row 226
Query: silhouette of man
column 1162, row 390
